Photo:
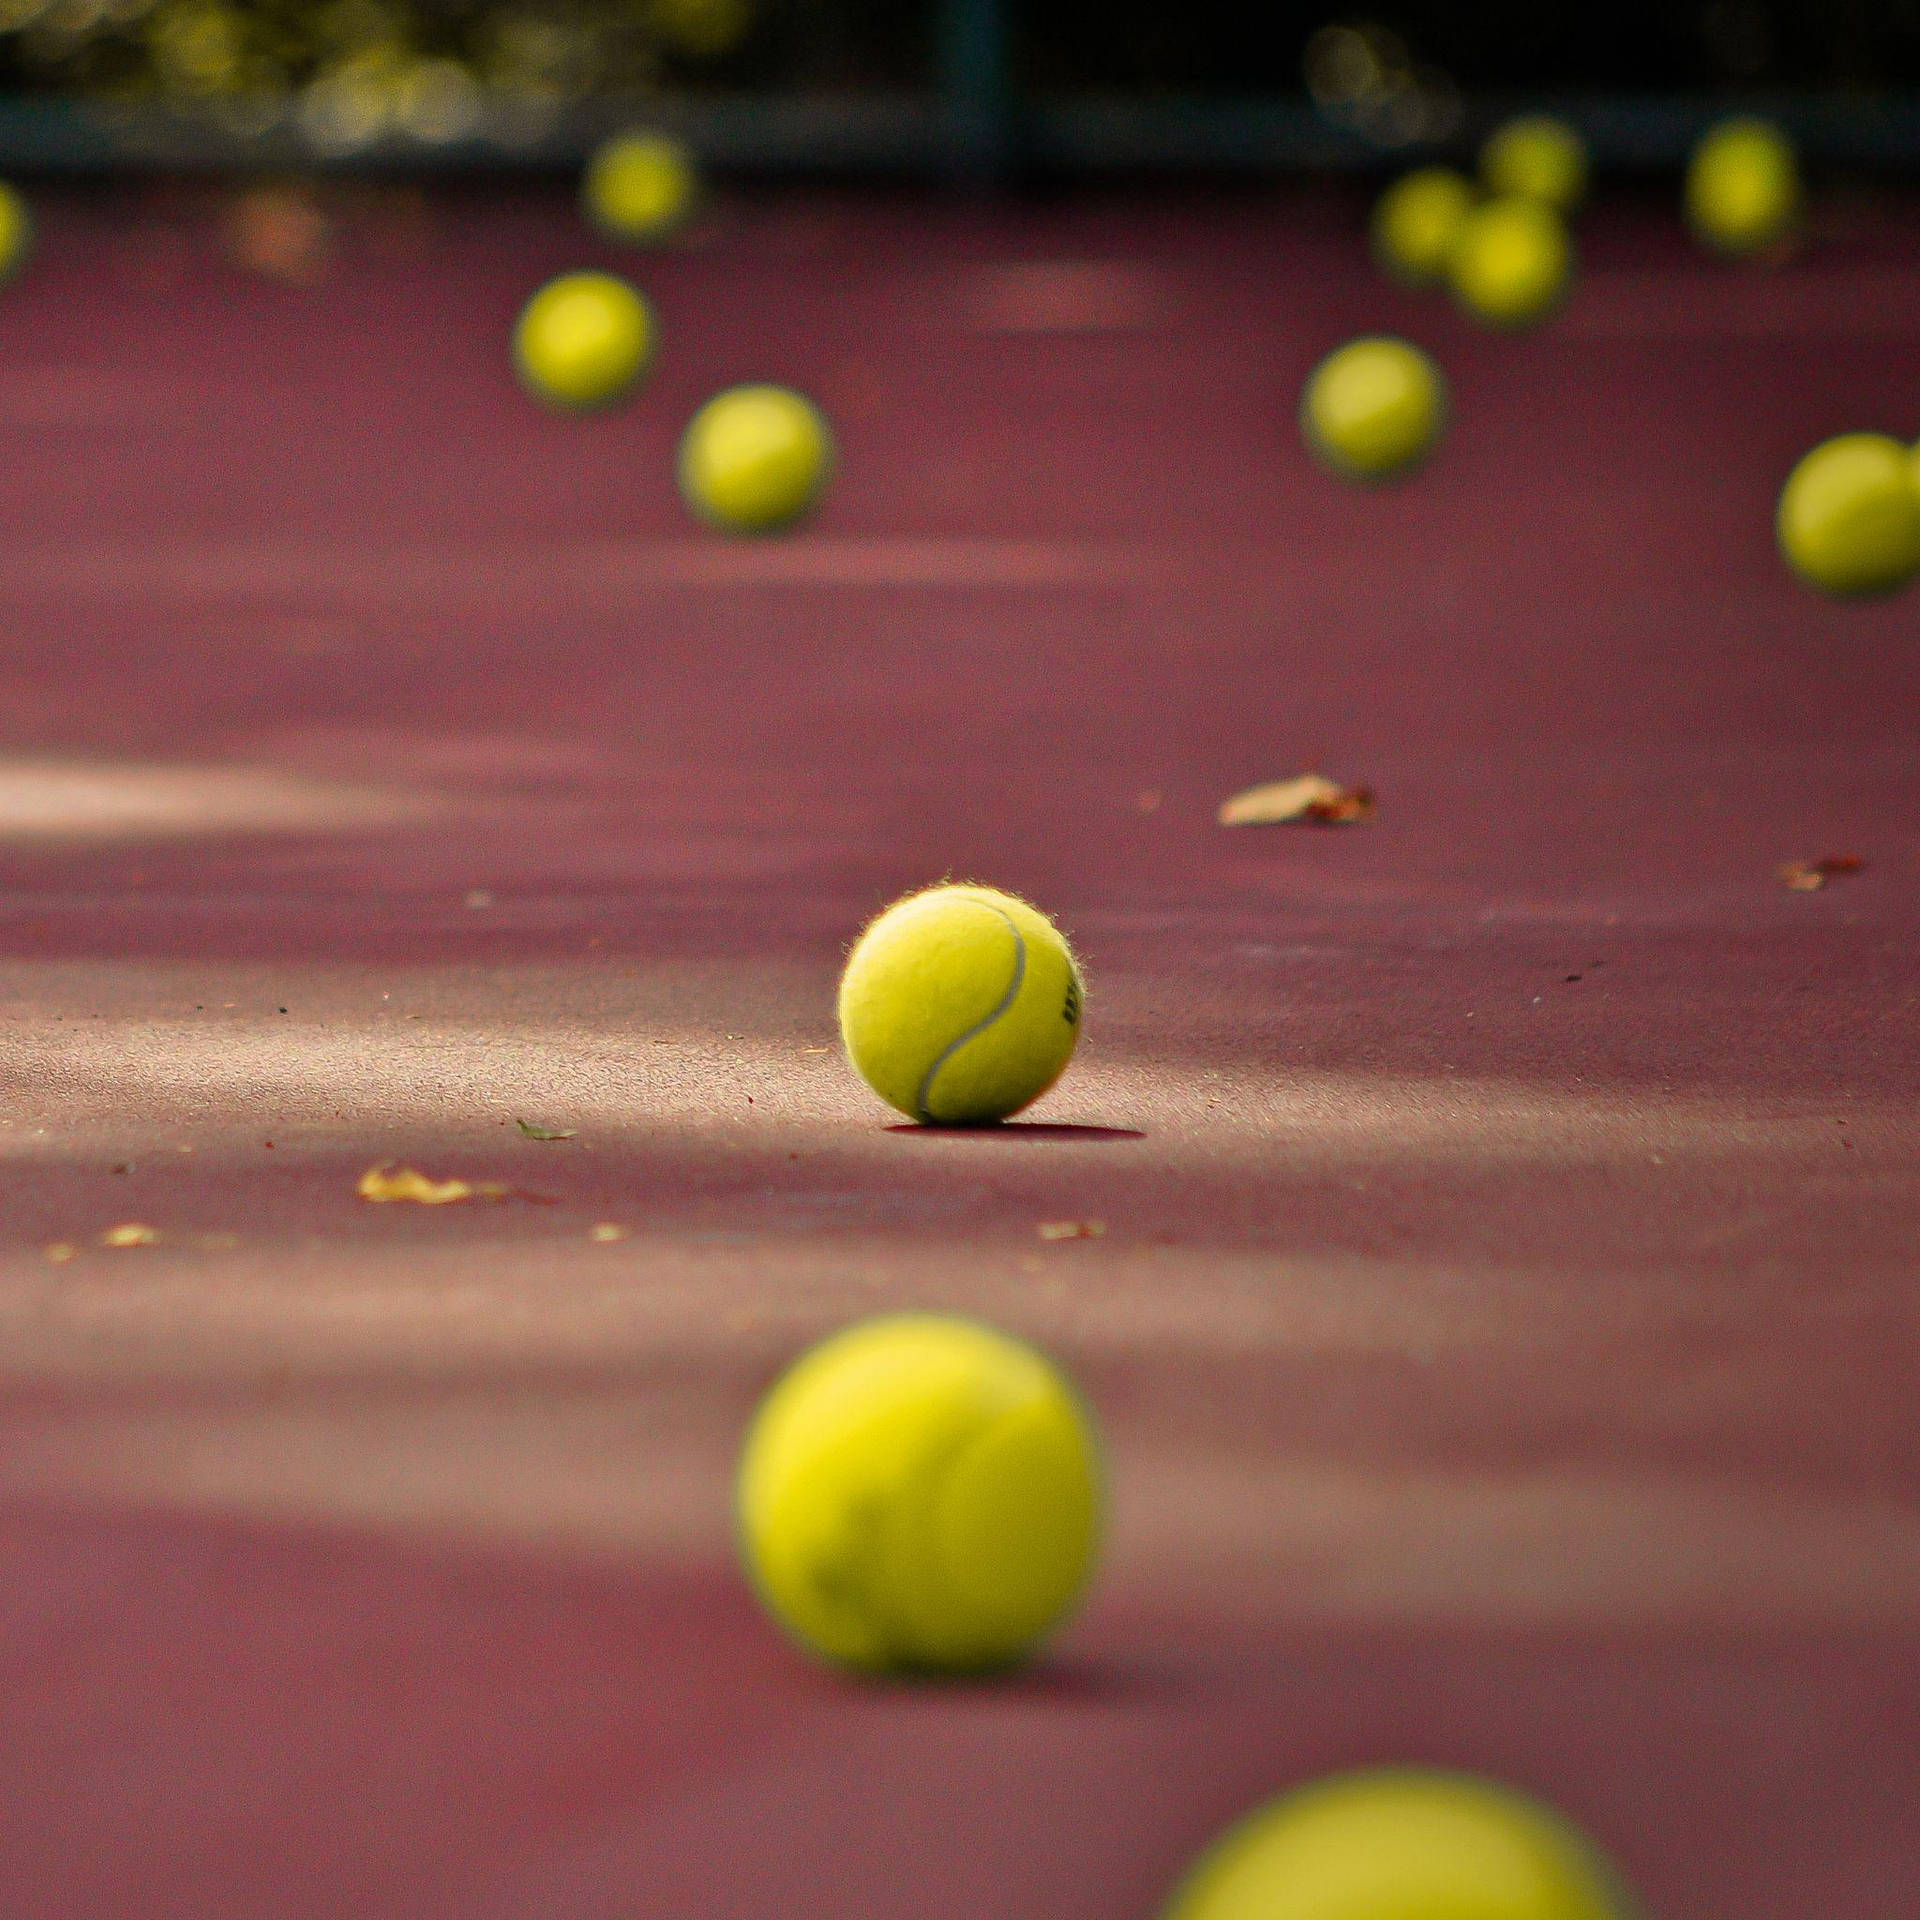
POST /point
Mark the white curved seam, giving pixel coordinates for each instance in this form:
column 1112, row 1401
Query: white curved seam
column 952, row 1047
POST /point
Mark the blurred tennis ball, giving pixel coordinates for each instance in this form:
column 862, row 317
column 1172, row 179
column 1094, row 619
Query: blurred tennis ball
column 1512, row 262
column 920, row 1493
column 1743, row 186
column 1417, row 220
column 1402, row 1844
column 641, row 187
column 1536, row 157
column 1849, row 516
column 755, row 458
column 702, row 29
column 1373, row 407
column 583, row 340
column 16, row 231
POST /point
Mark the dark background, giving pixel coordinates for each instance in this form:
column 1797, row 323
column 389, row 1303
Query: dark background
column 1209, row 46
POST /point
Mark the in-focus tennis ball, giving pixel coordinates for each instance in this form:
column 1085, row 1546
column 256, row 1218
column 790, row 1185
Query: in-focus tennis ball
column 641, row 187
column 1416, row 221
column 755, row 458
column 960, row 1005
column 1402, row 1845
column 1849, row 519
column 920, row 1493
column 1538, row 158
column 1511, row 262
column 1373, row 407
column 583, row 340
column 1743, row 186
column 16, row 232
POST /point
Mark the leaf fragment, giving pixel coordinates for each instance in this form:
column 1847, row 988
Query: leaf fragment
column 605, row 1231
column 1071, row 1229
column 534, row 1131
column 387, row 1182
column 1308, row 797
column 132, row 1233
column 1809, row 876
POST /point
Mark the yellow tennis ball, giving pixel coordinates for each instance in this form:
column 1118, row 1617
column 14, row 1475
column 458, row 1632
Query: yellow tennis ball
column 1416, row 221
column 1743, row 186
column 960, row 1005
column 1849, row 518
column 583, row 340
column 16, row 232
column 1402, row 1844
column 920, row 1493
column 1538, row 158
column 1511, row 262
column 755, row 458
column 1373, row 407
column 641, row 187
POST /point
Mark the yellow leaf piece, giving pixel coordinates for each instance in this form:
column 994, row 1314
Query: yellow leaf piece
column 534, row 1131
column 388, row 1182
column 1308, row 796
column 606, row 1230
column 1071, row 1229
column 1809, row 876
column 62, row 1251
column 133, row 1233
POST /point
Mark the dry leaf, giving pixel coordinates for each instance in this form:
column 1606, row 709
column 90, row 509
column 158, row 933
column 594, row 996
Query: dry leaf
column 281, row 234
column 1809, row 876
column 62, row 1251
column 387, row 1182
column 133, row 1234
column 605, row 1230
column 1071, row 1229
column 1308, row 796
column 536, row 1132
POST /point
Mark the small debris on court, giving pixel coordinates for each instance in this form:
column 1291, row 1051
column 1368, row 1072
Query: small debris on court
column 1308, row 797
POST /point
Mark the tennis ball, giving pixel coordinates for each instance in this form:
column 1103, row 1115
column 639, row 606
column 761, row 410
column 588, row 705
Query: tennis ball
column 755, row 458
column 1511, row 262
column 1402, row 1845
column 16, row 232
column 1373, row 407
column 1416, row 220
column 583, row 340
column 1849, row 518
column 1538, row 158
column 641, row 187
column 1743, row 186
column 960, row 1005
column 920, row 1493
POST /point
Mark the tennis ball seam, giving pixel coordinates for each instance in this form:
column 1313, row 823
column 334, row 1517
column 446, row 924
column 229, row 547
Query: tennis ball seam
column 923, row 1095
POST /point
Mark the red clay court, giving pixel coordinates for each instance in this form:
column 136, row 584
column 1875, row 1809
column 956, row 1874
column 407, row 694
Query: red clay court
column 1504, row 1323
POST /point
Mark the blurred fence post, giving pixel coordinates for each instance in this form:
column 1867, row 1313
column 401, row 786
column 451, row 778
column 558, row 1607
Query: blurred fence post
column 977, row 87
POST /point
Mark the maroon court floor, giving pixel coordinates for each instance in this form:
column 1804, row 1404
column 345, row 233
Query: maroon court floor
column 1505, row 1317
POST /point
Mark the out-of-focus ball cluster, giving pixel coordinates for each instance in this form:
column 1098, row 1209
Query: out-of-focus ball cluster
column 350, row 74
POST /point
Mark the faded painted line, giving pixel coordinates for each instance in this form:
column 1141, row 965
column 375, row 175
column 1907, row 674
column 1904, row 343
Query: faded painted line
column 218, row 571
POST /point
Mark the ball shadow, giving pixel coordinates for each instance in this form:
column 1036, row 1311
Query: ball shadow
column 1019, row 1130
